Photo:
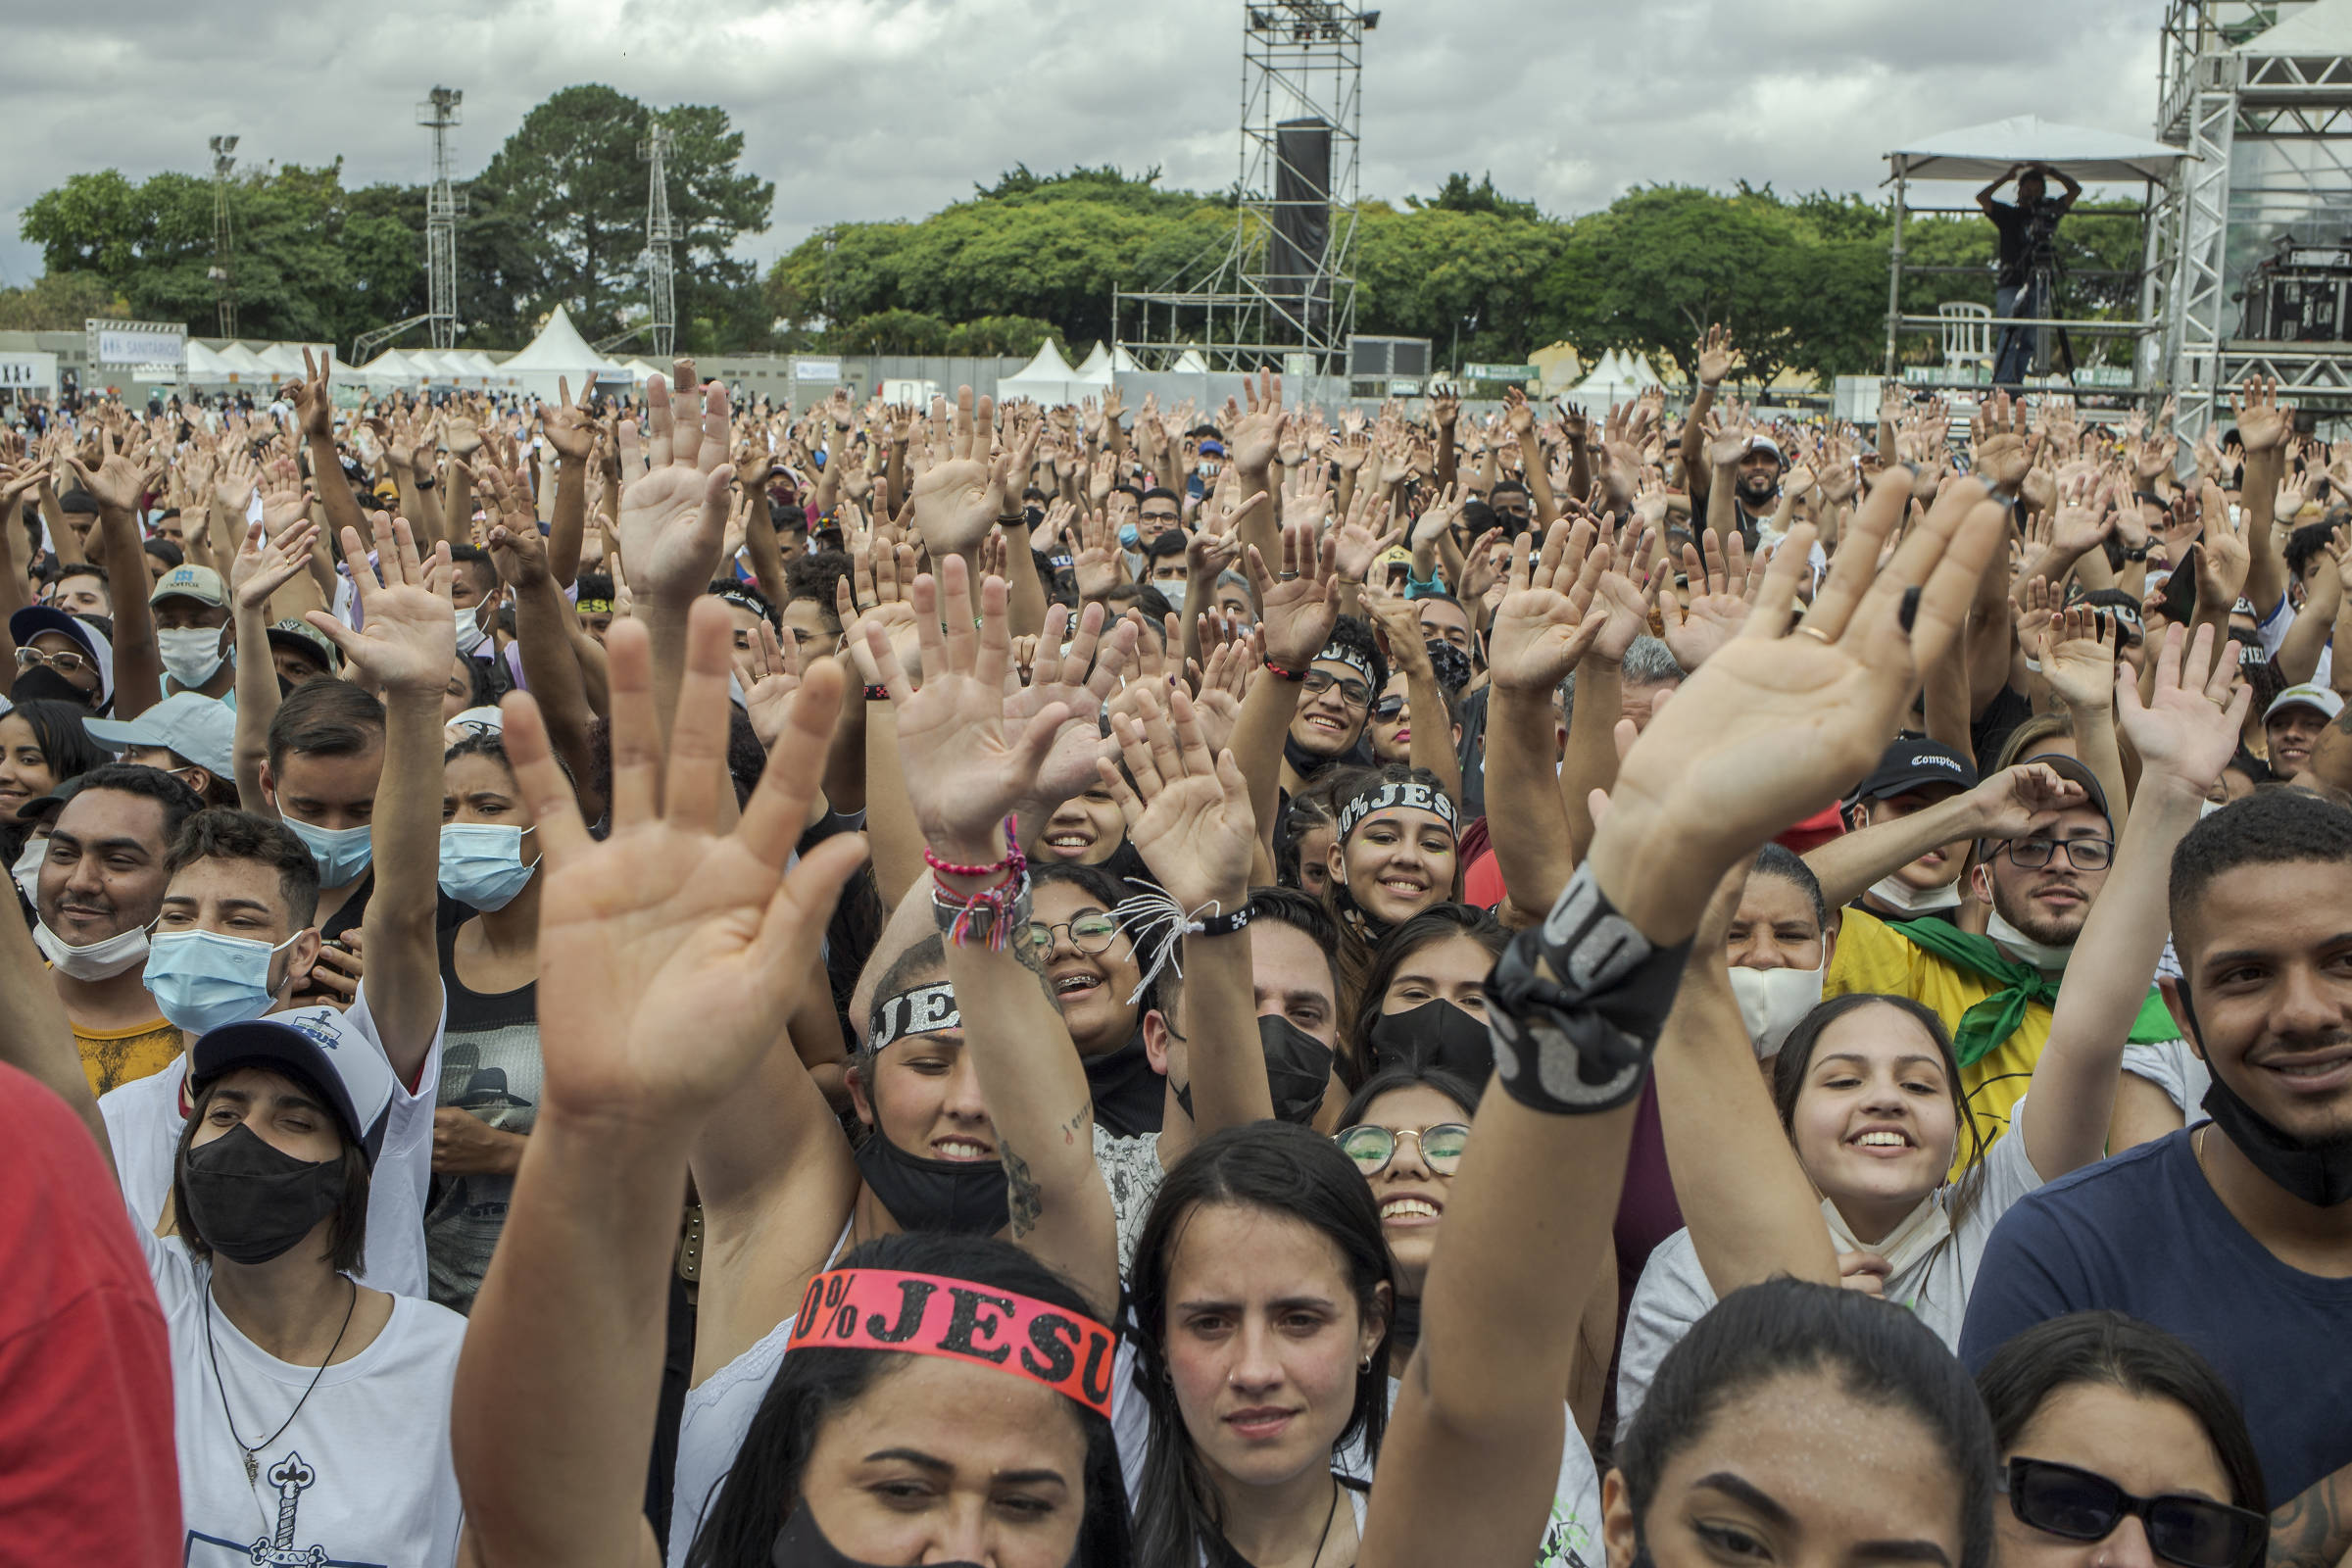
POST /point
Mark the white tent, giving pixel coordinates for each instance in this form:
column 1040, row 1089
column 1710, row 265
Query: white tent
column 478, row 365
column 1102, row 363
column 1190, row 362
column 2324, row 29
column 1618, row 378
column 204, row 366
column 1047, row 378
column 1986, row 152
column 390, row 369
column 641, row 372
column 559, row 351
column 242, row 365
column 286, row 359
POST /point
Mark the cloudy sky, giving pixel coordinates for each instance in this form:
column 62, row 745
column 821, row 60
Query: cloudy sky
column 861, row 108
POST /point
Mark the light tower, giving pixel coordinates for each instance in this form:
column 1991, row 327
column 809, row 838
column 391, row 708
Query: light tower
column 661, row 284
column 440, row 113
column 224, row 273
column 1282, row 292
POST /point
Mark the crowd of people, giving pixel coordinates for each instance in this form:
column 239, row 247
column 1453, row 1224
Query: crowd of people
column 1101, row 985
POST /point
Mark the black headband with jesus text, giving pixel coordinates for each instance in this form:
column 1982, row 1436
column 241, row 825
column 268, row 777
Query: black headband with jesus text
column 1391, row 794
column 923, row 1010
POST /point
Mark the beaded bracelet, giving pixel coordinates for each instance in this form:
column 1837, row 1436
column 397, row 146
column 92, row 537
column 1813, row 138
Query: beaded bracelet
column 1279, row 673
column 1013, row 861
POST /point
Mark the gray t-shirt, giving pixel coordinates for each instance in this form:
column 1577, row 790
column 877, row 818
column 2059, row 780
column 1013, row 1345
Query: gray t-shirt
column 1674, row 1293
column 490, row 1068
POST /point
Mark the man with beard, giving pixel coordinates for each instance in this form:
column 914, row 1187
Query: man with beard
column 1754, row 471
column 100, row 887
column 2044, row 842
column 2235, row 1234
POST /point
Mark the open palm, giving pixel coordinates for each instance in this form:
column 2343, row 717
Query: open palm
column 673, row 512
column 958, row 500
column 1542, row 627
column 1188, row 814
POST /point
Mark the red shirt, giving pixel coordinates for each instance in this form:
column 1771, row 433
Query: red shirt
column 89, row 1471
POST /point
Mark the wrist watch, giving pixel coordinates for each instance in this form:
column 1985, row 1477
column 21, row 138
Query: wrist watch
column 2139, row 554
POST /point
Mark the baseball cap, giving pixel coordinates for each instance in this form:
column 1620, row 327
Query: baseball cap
column 33, row 620
column 2306, row 695
column 323, row 1047
column 2073, row 772
column 305, row 638
column 1396, row 556
column 1917, row 764
column 202, row 730
column 1765, row 443
column 199, row 584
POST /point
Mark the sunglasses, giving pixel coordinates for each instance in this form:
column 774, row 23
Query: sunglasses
column 1374, row 1147
column 2082, row 1506
column 1089, row 934
column 1388, row 708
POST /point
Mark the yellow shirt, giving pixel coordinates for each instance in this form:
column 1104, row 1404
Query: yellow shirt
column 1872, row 958
column 113, row 1058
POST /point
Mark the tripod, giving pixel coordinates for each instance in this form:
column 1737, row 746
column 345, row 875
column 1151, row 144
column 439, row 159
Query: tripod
column 2035, row 349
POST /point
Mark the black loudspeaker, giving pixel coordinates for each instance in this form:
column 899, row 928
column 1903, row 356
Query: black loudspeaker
column 1301, row 217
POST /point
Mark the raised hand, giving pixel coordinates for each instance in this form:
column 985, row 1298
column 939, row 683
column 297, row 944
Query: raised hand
column 673, row 498
column 2078, row 657
column 769, row 673
column 264, row 565
column 667, row 917
column 1544, row 624
column 2222, row 564
column 958, row 499
column 313, row 406
column 409, row 639
column 121, row 477
column 518, row 548
column 1252, row 436
column 1357, row 542
column 969, row 762
column 1719, row 601
column 2188, row 728
column 1762, row 738
column 2000, row 446
column 1187, row 812
column 1079, row 680
column 567, row 426
column 1717, row 358
column 1297, row 610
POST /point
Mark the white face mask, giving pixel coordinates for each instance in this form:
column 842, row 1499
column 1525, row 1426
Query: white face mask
column 1894, row 890
column 1173, row 593
column 2040, row 955
column 28, row 869
column 191, row 653
column 1772, row 1001
column 469, row 632
column 100, row 960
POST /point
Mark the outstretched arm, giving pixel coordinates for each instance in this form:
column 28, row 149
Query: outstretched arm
column 968, row 765
column 1751, row 743
column 667, row 918
column 2184, row 735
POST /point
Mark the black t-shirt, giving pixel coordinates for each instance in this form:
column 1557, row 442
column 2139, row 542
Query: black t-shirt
column 2022, row 229
column 1989, row 730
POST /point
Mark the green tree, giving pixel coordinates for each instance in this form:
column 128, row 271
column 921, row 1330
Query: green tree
column 1459, row 195
column 1002, row 335
column 1468, row 279
column 894, row 331
column 59, row 302
column 557, row 217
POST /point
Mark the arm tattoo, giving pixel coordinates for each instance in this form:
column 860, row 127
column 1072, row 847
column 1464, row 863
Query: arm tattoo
column 2313, row 1530
column 1027, row 1198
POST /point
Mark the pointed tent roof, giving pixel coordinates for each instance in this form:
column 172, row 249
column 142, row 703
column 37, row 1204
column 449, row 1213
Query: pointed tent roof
column 203, row 366
column 639, row 371
column 558, row 347
column 1984, row 152
column 1190, row 362
column 388, row 368
column 2324, row 28
column 286, row 359
column 242, row 363
column 1047, row 378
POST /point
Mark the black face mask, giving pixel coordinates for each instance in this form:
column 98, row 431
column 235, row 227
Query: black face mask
column 41, row 684
column 801, row 1544
column 1356, row 916
column 1449, row 664
column 252, row 1203
column 1130, row 1097
column 1297, row 1070
column 1306, row 763
column 965, row 1197
column 2317, row 1173
column 1436, row 1034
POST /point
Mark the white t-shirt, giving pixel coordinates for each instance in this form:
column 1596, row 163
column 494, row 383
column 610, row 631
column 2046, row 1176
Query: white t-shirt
column 143, row 1121
column 2173, row 1067
column 1674, row 1293
column 359, row 1479
column 1131, row 1170
column 718, row 1417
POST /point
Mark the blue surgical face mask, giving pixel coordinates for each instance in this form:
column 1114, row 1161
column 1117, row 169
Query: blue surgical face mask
column 1131, row 536
column 342, row 853
column 482, row 865
column 202, row 980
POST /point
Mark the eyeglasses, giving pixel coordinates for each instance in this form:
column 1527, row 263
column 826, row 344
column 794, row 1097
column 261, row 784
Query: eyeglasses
column 1374, row 1147
column 71, row 663
column 2083, row 1505
column 1089, row 934
column 2083, row 855
column 1354, row 693
column 1388, row 708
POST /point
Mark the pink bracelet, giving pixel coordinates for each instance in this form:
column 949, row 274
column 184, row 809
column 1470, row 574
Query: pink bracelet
column 1013, row 863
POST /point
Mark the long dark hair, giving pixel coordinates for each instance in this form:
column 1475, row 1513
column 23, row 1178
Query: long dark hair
column 1440, row 922
column 2119, row 1353
column 66, row 746
column 1282, row 1170
column 813, row 1383
column 1795, row 1059
column 347, row 1239
column 1788, row 1326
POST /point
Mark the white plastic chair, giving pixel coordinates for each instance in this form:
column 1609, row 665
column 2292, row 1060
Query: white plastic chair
column 1967, row 333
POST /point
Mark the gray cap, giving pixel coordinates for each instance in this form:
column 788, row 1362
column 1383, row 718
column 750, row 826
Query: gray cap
column 201, row 729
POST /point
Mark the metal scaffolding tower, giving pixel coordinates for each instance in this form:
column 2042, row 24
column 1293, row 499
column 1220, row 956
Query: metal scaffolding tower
column 661, row 284
column 224, row 269
column 1280, row 292
column 2259, row 93
column 440, row 113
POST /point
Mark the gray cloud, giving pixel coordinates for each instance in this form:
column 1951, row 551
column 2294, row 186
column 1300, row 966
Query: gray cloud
column 866, row 109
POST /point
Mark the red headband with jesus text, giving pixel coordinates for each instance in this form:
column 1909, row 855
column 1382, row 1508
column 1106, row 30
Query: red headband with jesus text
column 929, row 1314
